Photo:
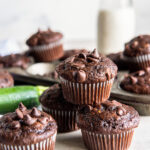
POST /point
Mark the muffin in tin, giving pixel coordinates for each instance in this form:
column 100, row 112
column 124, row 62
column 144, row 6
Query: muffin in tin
column 15, row 60
column 64, row 113
column 27, row 129
column 108, row 126
column 137, row 52
column 6, row 80
column 86, row 77
column 137, row 82
column 46, row 45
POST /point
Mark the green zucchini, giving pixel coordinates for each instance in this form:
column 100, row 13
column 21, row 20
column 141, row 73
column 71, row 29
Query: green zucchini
column 11, row 97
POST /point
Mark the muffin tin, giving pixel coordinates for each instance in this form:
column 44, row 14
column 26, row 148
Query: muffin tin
column 34, row 73
column 140, row 102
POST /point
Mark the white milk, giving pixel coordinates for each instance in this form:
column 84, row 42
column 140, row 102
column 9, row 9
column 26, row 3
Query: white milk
column 115, row 28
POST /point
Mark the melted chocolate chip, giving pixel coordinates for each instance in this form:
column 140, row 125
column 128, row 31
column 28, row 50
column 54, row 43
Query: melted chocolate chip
column 19, row 113
column 82, row 55
column 121, row 111
column 15, row 125
column 28, row 120
column 22, row 107
column 35, row 112
column 81, row 76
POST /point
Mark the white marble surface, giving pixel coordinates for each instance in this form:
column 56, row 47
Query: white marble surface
column 73, row 140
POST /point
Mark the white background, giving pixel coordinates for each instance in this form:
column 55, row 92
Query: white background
column 75, row 18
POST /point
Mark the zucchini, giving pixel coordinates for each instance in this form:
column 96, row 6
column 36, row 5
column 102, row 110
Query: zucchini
column 11, row 97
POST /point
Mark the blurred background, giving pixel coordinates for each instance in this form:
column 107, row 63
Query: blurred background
column 77, row 19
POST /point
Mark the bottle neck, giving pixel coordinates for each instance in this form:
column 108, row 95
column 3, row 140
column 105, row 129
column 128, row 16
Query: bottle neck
column 115, row 4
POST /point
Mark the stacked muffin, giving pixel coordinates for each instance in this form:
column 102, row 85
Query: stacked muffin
column 86, row 80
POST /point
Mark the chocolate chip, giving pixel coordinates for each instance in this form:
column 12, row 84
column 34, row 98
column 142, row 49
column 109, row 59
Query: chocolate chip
column 133, row 79
column 35, row 112
column 91, row 59
column 135, row 44
column 81, row 76
column 95, row 54
column 87, row 108
column 141, row 73
column 22, row 107
column 120, row 111
column 82, row 55
column 43, row 120
column 19, row 113
column 15, row 125
column 28, row 120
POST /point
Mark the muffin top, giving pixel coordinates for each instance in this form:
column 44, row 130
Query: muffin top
column 140, row 45
column 15, row 60
column 6, row 80
column 26, row 126
column 137, row 82
column 108, row 117
column 87, row 67
column 43, row 37
column 53, row 98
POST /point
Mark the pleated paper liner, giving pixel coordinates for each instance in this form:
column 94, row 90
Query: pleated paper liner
column 66, row 119
column 140, row 62
column 85, row 93
column 48, row 144
column 49, row 52
column 95, row 141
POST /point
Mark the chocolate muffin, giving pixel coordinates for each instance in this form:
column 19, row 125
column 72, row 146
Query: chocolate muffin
column 27, row 129
column 46, row 45
column 108, row 126
column 137, row 82
column 64, row 113
column 6, row 80
column 86, row 78
column 69, row 53
column 15, row 60
column 137, row 52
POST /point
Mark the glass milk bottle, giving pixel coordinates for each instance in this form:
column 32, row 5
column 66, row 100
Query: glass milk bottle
column 116, row 24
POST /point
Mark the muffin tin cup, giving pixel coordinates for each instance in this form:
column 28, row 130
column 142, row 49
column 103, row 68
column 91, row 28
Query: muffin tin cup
column 141, row 62
column 48, row 52
column 66, row 119
column 96, row 141
column 86, row 93
column 48, row 144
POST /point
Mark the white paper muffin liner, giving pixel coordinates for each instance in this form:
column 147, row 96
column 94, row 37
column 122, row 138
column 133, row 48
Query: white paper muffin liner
column 86, row 93
column 48, row 144
column 66, row 119
column 48, row 46
column 142, row 61
column 96, row 141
